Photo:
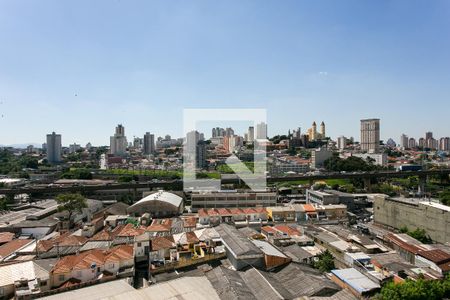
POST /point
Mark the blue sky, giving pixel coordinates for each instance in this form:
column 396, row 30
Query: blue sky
column 140, row 63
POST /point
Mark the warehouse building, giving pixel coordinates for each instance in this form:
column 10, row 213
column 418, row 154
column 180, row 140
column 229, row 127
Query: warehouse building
column 160, row 204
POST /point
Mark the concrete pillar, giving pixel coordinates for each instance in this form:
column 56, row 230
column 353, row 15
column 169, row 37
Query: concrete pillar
column 367, row 184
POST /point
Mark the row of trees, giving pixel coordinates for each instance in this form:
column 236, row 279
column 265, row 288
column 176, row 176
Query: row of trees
column 416, row 290
column 9, row 163
column 351, row 164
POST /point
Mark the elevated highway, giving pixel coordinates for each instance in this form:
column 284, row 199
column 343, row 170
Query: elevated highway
column 178, row 184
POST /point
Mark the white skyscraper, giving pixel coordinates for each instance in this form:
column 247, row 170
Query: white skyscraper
column 54, row 148
column 118, row 142
column 261, row 131
column 370, row 135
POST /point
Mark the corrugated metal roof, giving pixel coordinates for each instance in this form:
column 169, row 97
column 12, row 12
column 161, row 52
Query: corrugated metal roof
column 355, row 279
column 27, row 270
column 95, row 292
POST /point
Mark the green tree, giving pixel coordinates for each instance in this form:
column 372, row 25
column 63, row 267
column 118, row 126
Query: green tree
column 444, row 196
column 416, row 290
column 71, row 203
column 325, row 262
column 421, row 235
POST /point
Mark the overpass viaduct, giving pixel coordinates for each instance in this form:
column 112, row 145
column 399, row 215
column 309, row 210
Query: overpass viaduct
column 178, row 184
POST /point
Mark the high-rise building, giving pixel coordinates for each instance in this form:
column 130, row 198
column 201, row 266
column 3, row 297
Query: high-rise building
column 261, row 131
column 232, row 143
column 341, row 142
column 54, row 148
column 118, row 142
column 444, row 144
column 370, row 135
column 229, row 131
column 404, row 141
column 149, row 143
column 196, row 146
column 412, row 143
column 251, row 134
column 74, row 147
column 422, row 143
column 297, row 133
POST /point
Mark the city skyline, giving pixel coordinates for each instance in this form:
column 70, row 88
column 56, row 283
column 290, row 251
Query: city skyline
column 69, row 68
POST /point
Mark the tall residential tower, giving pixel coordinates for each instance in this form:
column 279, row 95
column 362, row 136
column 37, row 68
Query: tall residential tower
column 54, row 148
column 370, row 135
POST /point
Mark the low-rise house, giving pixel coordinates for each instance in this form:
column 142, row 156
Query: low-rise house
column 115, row 220
column 162, row 249
column 406, row 246
column 127, row 234
column 237, row 214
column 160, row 227
column 300, row 254
column 281, row 213
column 189, row 223
column 261, row 213
column 251, row 214
column 241, row 252
column 91, row 265
column 142, row 246
column 355, row 281
column 23, row 279
column 225, row 215
column 91, row 228
column 273, row 257
column 8, row 250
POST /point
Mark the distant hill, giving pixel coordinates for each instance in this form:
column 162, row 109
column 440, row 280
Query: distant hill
column 23, row 146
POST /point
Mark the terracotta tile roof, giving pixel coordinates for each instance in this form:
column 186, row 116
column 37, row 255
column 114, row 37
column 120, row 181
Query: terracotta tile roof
column 223, row 212
column 44, row 245
column 261, row 210
column 107, row 234
column 212, row 212
column 191, row 237
column 163, row 242
column 236, row 211
column 165, row 222
column 268, row 229
column 202, row 212
column 130, row 230
column 6, row 237
column 123, row 252
column 71, row 282
column 84, row 260
column 189, row 222
column 71, row 240
column 158, row 228
column 309, row 208
column 288, row 230
column 12, row 246
column 248, row 211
